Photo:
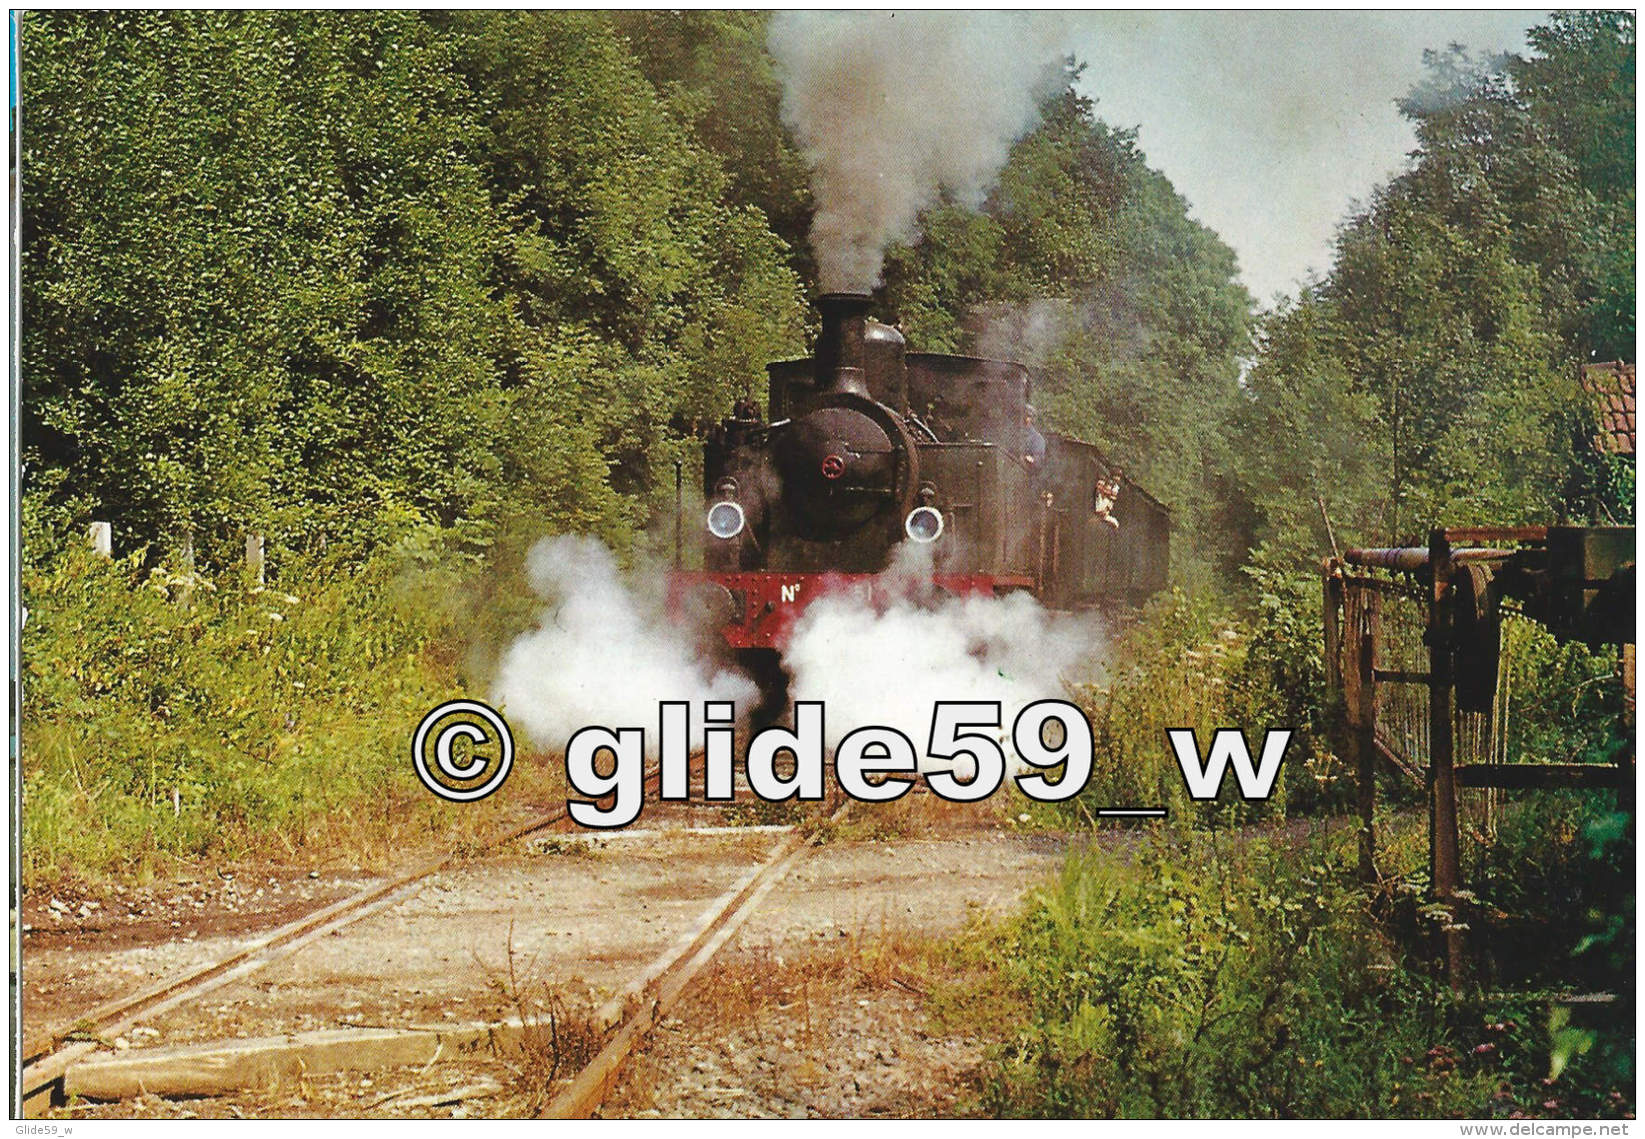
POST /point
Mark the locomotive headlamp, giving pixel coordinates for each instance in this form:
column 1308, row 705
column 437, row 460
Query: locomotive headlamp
column 923, row 524
column 726, row 520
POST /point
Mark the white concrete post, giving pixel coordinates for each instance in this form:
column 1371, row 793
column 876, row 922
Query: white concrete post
column 254, row 558
column 185, row 558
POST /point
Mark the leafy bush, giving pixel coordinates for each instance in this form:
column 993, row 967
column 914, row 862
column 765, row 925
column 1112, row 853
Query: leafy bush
column 1564, row 701
column 1172, row 670
column 1555, row 893
column 248, row 718
column 1190, row 663
column 1199, row 981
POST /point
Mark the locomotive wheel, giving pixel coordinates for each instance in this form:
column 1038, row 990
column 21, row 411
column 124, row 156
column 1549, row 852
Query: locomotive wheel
column 766, row 667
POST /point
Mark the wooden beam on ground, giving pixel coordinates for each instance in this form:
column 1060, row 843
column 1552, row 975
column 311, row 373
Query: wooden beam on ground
column 47, row 1058
column 221, row 1067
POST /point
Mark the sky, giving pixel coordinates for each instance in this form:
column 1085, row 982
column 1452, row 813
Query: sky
column 1273, row 124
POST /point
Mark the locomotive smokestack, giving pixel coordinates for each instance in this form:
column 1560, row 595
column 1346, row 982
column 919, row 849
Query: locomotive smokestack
column 840, row 359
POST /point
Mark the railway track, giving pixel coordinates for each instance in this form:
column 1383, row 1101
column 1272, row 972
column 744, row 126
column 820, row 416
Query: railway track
column 659, row 991
column 626, row 1018
column 47, row 1056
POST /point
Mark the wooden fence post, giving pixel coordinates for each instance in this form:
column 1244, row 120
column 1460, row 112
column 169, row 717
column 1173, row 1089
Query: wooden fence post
column 1443, row 840
column 1357, row 638
column 1367, row 637
column 1625, row 760
column 1331, row 577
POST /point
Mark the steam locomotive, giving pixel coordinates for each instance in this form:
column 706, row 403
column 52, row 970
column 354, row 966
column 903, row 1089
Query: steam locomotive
column 866, row 447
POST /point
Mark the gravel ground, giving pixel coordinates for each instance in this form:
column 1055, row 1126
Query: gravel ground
column 563, row 923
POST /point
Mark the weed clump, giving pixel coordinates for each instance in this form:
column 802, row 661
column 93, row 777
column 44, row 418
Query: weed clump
column 1204, row 977
column 558, row 1035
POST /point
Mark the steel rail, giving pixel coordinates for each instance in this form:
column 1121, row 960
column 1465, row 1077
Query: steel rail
column 583, row 1096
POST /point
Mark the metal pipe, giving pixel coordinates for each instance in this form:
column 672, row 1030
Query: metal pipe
column 1409, row 559
column 1406, row 559
column 1481, row 554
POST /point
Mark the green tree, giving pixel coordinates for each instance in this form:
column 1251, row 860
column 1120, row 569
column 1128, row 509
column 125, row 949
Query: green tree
column 639, row 290
column 713, row 69
column 1142, row 320
column 1431, row 376
column 337, row 275
column 254, row 272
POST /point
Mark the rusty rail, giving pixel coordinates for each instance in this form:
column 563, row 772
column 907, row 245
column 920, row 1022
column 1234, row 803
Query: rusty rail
column 582, row 1097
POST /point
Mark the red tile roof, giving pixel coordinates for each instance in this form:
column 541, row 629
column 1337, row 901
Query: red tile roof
column 1611, row 386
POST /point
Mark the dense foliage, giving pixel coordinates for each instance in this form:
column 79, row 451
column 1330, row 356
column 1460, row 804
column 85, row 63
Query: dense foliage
column 249, row 720
column 1086, row 264
column 328, row 276
column 1207, row 977
column 332, row 275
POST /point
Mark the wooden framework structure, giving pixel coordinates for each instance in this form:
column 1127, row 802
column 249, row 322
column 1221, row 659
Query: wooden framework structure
column 1451, row 579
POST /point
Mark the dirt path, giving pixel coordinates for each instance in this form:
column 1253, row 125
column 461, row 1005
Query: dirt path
column 565, row 922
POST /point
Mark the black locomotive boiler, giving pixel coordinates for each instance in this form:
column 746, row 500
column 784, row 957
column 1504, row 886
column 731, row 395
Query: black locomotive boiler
column 867, row 447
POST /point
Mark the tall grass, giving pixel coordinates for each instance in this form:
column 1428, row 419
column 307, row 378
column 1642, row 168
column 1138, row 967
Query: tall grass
column 1187, row 663
column 271, row 721
column 1206, row 976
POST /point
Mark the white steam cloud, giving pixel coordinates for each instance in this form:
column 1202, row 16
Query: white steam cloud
column 1026, row 331
column 890, row 108
column 887, row 661
column 605, row 653
column 602, row 653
